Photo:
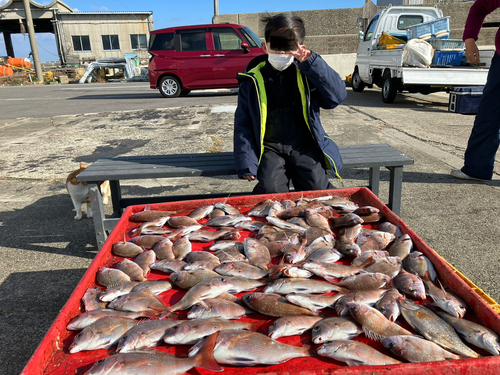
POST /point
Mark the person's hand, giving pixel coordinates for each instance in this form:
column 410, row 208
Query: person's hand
column 471, row 51
column 302, row 54
column 248, row 177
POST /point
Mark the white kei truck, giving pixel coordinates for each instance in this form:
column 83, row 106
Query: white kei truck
column 386, row 68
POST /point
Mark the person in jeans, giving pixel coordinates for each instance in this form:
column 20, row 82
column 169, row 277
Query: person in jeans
column 485, row 136
column 278, row 136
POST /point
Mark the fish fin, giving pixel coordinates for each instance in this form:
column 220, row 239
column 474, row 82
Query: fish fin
column 353, row 362
column 371, row 335
column 442, row 287
column 114, row 285
column 331, row 280
column 147, row 208
column 205, row 358
column 367, row 262
column 426, row 277
column 241, row 361
column 167, row 315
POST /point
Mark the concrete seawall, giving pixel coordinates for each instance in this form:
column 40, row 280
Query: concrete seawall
column 334, row 31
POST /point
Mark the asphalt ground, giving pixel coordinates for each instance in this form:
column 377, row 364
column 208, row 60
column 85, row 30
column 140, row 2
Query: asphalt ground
column 45, row 252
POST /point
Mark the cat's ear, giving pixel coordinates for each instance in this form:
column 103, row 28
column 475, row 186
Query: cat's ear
column 82, row 165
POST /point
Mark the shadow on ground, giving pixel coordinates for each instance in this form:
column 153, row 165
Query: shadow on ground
column 43, row 226
column 29, row 303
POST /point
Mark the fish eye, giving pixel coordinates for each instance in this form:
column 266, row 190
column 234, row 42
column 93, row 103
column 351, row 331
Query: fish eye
column 78, row 336
column 100, row 361
column 390, row 345
column 317, row 328
column 383, row 309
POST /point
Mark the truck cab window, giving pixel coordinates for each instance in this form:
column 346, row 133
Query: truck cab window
column 407, row 21
column 370, row 29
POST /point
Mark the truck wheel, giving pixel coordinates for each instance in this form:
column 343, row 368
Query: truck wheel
column 170, row 87
column 389, row 88
column 357, row 84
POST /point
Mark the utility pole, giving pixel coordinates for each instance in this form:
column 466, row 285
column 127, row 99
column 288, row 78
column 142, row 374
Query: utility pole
column 34, row 46
column 216, row 7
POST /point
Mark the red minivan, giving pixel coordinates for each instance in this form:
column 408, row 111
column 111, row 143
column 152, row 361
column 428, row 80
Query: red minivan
column 200, row 57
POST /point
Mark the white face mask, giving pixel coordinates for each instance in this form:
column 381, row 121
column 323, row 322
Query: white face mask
column 279, row 61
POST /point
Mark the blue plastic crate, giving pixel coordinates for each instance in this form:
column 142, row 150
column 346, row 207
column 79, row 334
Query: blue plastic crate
column 436, row 29
column 447, row 44
column 453, row 58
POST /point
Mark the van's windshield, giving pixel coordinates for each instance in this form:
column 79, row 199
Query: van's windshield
column 252, row 39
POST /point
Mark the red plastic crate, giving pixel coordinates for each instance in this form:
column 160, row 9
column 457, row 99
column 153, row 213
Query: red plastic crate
column 52, row 356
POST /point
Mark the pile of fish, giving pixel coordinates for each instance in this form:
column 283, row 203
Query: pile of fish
column 321, row 267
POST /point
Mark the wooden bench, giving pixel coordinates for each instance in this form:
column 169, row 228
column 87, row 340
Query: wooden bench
column 116, row 169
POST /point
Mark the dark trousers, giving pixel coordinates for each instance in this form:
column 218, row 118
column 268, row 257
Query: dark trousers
column 485, row 137
column 281, row 164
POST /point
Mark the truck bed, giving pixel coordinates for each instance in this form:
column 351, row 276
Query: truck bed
column 434, row 76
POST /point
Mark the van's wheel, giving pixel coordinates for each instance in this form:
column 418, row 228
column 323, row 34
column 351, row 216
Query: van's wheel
column 357, row 84
column 170, row 87
column 390, row 88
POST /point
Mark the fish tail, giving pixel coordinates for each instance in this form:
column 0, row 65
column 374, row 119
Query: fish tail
column 205, row 357
column 255, row 326
column 309, row 349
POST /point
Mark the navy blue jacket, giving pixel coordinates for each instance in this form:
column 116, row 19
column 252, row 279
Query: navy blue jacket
column 320, row 86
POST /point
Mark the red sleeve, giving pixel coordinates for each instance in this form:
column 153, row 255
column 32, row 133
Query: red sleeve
column 478, row 12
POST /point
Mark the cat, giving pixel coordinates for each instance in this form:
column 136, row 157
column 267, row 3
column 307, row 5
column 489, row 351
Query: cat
column 79, row 192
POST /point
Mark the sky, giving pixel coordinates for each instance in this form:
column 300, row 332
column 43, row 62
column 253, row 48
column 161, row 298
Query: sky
column 168, row 13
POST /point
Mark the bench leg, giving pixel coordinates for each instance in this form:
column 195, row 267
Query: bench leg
column 98, row 214
column 374, row 180
column 395, row 189
column 116, row 196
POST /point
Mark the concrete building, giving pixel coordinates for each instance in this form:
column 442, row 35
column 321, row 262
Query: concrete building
column 81, row 36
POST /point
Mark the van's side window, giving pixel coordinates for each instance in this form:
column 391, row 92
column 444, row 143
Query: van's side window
column 251, row 38
column 161, row 42
column 370, row 29
column 226, row 39
column 192, row 40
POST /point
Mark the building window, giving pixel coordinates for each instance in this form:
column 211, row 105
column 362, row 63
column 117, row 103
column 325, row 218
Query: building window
column 110, row 43
column 138, row 41
column 81, row 43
